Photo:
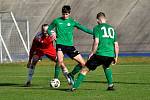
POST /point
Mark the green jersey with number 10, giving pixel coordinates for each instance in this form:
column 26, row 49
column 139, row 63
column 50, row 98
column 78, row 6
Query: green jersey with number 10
column 107, row 36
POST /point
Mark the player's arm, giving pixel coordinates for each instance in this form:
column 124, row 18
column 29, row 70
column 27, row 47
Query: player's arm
column 94, row 46
column 32, row 49
column 83, row 28
column 116, row 52
column 116, row 49
column 95, row 42
column 50, row 27
column 53, row 37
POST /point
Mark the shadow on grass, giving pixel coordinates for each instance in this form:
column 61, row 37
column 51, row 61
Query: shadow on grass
column 13, row 85
column 118, row 82
column 9, row 84
column 69, row 90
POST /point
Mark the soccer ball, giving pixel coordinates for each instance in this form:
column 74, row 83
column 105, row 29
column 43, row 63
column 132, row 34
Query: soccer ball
column 55, row 83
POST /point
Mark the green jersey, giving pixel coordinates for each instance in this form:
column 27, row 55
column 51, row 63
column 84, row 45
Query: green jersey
column 64, row 30
column 107, row 36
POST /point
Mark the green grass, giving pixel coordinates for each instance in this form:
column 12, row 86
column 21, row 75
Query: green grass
column 131, row 77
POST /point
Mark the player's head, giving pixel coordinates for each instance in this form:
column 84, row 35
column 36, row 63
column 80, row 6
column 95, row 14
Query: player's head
column 66, row 9
column 44, row 29
column 101, row 18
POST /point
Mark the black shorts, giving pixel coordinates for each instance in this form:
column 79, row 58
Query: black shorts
column 96, row 60
column 69, row 50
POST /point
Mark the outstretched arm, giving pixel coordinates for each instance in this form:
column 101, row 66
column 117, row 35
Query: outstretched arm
column 83, row 28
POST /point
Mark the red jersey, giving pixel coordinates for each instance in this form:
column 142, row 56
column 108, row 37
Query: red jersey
column 43, row 45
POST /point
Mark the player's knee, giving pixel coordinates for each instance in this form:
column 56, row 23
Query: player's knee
column 31, row 66
column 84, row 70
column 82, row 64
column 105, row 67
column 35, row 60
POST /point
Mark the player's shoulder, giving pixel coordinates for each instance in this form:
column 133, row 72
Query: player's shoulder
column 72, row 19
column 58, row 18
column 96, row 26
column 109, row 25
column 105, row 25
column 38, row 35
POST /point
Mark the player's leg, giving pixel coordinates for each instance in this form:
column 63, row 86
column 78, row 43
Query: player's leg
column 57, row 67
column 78, row 67
column 57, row 70
column 108, row 73
column 74, row 54
column 61, row 49
column 91, row 64
column 80, row 78
column 60, row 57
column 31, row 69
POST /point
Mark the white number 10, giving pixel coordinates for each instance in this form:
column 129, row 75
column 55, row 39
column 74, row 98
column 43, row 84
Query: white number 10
column 108, row 33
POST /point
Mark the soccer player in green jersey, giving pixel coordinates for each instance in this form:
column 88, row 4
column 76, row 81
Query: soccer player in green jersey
column 64, row 27
column 105, row 51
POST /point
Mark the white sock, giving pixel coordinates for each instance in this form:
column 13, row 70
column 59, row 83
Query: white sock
column 65, row 73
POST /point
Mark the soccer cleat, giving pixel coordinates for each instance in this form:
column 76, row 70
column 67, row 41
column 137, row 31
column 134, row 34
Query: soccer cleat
column 28, row 84
column 71, row 79
column 111, row 88
column 73, row 89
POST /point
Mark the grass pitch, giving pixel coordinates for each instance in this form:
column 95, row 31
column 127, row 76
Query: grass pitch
column 131, row 77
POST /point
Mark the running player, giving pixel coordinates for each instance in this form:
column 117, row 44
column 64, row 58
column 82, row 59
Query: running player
column 105, row 51
column 42, row 46
column 64, row 27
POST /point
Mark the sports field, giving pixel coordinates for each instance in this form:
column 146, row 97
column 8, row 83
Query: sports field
column 131, row 77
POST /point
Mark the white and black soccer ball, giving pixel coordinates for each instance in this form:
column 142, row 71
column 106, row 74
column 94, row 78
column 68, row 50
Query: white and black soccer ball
column 55, row 83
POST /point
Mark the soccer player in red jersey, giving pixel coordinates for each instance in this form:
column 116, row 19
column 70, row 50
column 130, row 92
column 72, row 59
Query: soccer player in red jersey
column 42, row 45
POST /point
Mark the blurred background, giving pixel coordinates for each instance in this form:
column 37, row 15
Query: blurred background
column 21, row 19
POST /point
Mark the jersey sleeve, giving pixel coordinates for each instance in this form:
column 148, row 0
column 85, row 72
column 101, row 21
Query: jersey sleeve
column 115, row 37
column 95, row 32
column 51, row 26
column 83, row 28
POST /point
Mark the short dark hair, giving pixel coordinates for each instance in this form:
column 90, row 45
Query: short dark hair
column 43, row 25
column 100, row 14
column 66, row 9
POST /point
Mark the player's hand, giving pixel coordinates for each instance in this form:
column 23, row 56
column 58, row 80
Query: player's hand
column 90, row 55
column 53, row 35
column 28, row 64
column 114, row 61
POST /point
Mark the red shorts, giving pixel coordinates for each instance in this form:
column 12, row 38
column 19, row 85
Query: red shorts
column 51, row 54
